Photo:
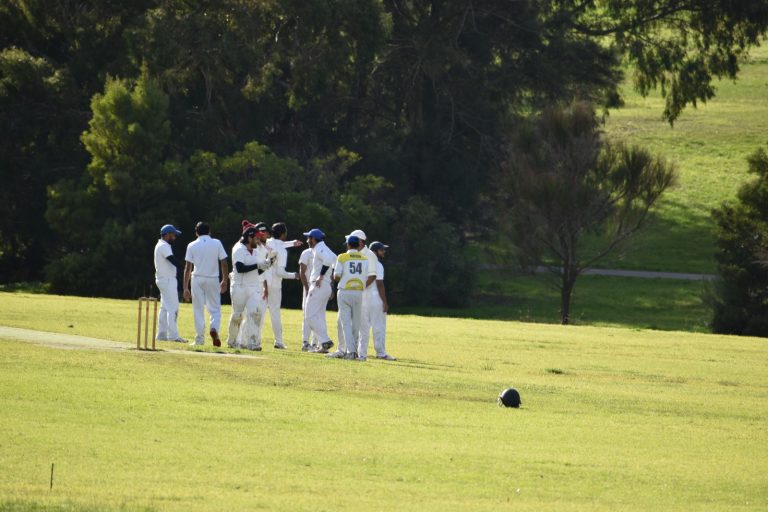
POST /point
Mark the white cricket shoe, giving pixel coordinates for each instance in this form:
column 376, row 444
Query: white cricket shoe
column 386, row 357
column 350, row 356
column 336, row 355
column 179, row 340
column 279, row 345
column 362, row 358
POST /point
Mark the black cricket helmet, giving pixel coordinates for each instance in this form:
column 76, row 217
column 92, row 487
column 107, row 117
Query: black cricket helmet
column 509, row 398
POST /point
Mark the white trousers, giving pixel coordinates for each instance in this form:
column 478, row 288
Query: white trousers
column 350, row 314
column 247, row 310
column 314, row 311
column 167, row 323
column 205, row 294
column 373, row 317
column 306, row 332
column 274, row 301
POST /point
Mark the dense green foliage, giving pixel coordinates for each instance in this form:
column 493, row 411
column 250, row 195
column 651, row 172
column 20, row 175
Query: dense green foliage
column 411, row 100
column 740, row 298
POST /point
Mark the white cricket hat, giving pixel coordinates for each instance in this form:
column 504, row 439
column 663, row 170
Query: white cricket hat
column 359, row 234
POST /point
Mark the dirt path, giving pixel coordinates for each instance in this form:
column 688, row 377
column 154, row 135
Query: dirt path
column 74, row 342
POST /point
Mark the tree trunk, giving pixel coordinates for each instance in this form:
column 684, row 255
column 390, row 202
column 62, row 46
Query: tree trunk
column 569, row 280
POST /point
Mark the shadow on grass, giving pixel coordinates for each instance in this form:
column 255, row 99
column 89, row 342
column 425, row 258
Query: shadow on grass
column 663, row 304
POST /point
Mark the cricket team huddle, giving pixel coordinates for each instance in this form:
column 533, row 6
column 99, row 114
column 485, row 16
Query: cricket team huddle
column 259, row 258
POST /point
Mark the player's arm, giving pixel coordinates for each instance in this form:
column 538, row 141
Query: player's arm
column 187, row 279
column 224, row 275
column 303, row 276
column 282, row 258
column 328, row 259
column 382, row 293
column 337, row 269
column 176, row 262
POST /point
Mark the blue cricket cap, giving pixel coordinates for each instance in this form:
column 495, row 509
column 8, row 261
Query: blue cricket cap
column 169, row 228
column 375, row 246
column 315, row 233
column 352, row 240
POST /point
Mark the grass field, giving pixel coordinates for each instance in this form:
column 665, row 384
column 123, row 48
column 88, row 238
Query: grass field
column 665, row 304
column 709, row 145
column 612, row 419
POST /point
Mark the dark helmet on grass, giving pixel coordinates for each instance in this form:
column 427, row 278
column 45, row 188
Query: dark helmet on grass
column 509, row 398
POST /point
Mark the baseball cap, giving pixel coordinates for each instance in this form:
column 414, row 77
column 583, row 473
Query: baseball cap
column 262, row 228
column 352, row 240
column 359, row 234
column 315, row 233
column 375, row 246
column 169, row 228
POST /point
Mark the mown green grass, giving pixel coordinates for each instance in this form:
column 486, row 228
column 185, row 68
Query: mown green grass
column 709, row 145
column 612, row 419
column 666, row 304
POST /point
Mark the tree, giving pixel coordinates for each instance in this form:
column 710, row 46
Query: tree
column 562, row 182
column 740, row 297
column 35, row 150
column 129, row 190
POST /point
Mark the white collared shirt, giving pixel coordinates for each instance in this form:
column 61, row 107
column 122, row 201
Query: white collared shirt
column 205, row 253
column 163, row 267
column 322, row 256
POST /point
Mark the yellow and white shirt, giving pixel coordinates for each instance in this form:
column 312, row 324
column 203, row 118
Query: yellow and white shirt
column 352, row 267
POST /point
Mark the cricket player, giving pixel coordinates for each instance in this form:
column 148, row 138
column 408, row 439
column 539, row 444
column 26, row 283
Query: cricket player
column 248, row 288
column 275, row 276
column 309, row 340
column 351, row 274
column 375, row 312
column 343, row 348
column 205, row 258
column 165, row 279
column 323, row 259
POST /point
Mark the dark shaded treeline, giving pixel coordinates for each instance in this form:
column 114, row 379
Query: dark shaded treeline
column 386, row 115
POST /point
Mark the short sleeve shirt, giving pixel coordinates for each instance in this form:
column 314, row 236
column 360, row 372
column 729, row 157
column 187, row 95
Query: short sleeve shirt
column 205, row 254
column 322, row 256
column 352, row 269
column 163, row 267
column 241, row 253
column 306, row 259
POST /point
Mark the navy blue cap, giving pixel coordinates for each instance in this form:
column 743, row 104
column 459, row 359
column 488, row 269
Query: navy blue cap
column 352, row 240
column 169, row 228
column 375, row 246
column 315, row 233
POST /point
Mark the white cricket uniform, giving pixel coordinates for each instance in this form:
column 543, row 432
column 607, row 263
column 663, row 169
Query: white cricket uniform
column 205, row 253
column 319, row 295
column 275, row 276
column 306, row 259
column 165, row 278
column 365, row 324
column 375, row 317
column 352, row 270
column 246, row 290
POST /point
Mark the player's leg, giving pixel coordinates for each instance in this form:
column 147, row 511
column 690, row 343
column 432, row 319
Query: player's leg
column 239, row 296
column 365, row 326
column 213, row 304
column 317, row 302
column 356, row 309
column 162, row 319
column 379, row 323
column 198, row 305
column 275, row 300
column 255, row 308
